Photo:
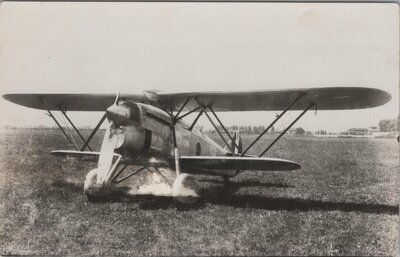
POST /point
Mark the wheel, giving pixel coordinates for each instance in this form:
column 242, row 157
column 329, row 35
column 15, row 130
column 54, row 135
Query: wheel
column 93, row 191
column 90, row 181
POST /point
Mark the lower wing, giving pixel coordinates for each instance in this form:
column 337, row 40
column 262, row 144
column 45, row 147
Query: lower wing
column 204, row 162
column 236, row 163
column 82, row 155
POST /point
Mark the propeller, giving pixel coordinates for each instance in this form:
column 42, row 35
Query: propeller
column 106, row 153
column 117, row 113
column 116, row 98
column 109, row 144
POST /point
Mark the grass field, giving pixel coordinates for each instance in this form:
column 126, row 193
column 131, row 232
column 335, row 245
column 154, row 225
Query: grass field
column 344, row 201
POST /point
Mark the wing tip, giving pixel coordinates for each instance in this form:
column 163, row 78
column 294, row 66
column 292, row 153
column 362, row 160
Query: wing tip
column 7, row 97
column 375, row 97
column 388, row 97
column 296, row 166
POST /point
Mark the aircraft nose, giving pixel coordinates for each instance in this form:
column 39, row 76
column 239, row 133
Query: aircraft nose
column 118, row 114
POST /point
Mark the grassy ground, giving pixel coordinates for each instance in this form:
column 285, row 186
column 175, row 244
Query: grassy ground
column 344, row 201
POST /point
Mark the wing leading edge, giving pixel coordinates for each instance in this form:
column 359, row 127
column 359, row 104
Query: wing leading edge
column 333, row 98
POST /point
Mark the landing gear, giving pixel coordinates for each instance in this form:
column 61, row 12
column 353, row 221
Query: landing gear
column 94, row 191
column 90, row 181
column 185, row 189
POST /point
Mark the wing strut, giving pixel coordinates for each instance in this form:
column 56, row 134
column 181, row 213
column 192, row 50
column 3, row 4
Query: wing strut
column 186, row 114
column 50, row 114
column 215, row 127
column 70, row 139
column 93, row 132
column 196, row 119
column 183, row 106
column 291, row 124
column 272, row 123
column 61, row 128
column 77, row 131
column 203, row 109
column 223, row 127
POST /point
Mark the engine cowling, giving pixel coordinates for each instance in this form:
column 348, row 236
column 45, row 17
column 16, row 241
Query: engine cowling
column 133, row 138
column 124, row 114
column 135, row 123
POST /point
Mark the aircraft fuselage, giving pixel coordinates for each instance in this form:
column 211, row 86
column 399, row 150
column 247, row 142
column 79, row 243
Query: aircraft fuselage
column 147, row 130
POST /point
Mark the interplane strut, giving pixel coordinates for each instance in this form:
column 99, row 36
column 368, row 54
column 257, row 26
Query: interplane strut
column 284, row 131
column 73, row 125
column 93, row 132
column 203, row 109
column 273, row 123
column 50, row 114
column 85, row 141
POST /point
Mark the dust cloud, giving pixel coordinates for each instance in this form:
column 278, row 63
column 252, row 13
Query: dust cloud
column 156, row 183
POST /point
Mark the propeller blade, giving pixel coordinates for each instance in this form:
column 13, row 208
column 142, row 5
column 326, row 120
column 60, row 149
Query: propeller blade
column 116, row 98
column 107, row 153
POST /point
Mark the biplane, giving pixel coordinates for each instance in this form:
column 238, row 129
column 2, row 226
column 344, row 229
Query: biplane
column 148, row 130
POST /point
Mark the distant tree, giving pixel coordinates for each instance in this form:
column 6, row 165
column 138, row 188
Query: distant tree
column 248, row 129
column 299, row 131
column 389, row 125
column 272, row 130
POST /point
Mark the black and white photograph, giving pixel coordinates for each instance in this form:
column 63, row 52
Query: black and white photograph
column 199, row 128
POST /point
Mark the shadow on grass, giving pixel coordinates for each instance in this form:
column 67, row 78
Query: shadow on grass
column 297, row 204
column 71, row 187
column 223, row 197
column 253, row 202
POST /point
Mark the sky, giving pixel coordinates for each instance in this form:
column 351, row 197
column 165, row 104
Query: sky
column 80, row 47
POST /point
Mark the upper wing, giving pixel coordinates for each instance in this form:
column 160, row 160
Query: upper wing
column 236, row 163
column 68, row 102
column 334, row 98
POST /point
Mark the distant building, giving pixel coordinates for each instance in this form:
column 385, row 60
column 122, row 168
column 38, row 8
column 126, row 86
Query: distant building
column 358, row 131
column 296, row 131
column 373, row 129
column 291, row 131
